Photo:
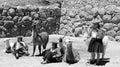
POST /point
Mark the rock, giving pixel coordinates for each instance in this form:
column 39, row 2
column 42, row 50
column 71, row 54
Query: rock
column 1, row 23
column 64, row 21
column 63, row 11
column 95, row 11
column 4, row 13
column 101, row 11
column 28, row 33
column 11, row 12
column 36, row 15
column 107, row 18
column 78, row 24
column 88, row 7
column 9, row 18
column 115, row 28
column 2, row 28
column 118, row 33
column 88, row 17
column 118, row 25
column 83, row 14
column 108, row 26
column 26, row 18
column 110, row 9
column 116, row 19
column 8, row 24
column 71, row 14
column 117, row 38
column 15, row 19
column 111, row 33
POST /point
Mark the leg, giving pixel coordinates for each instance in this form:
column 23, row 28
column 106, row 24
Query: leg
column 39, row 47
column 98, row 58
column 103, row 53
column 93, row 55
column 34, row 47
column 92, row 61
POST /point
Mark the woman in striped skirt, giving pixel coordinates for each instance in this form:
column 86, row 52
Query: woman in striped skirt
column 96, row 45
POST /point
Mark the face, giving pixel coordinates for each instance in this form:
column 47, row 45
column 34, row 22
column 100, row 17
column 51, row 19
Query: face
column 19, row 39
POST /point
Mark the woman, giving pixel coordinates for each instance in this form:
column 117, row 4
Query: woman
column 52, row 54
column 96, row 45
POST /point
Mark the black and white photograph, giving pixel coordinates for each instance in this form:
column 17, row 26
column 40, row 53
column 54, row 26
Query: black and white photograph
column 59, row 33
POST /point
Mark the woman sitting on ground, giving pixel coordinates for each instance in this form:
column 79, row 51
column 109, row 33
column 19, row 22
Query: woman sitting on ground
column 51, row 55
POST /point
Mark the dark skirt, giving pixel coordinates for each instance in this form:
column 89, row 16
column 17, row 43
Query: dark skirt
column 96, row 45
column 48, row 55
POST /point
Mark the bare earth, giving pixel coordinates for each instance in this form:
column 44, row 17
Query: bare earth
column 8, row 60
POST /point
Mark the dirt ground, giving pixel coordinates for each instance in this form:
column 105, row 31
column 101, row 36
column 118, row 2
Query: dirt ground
column 8, row 60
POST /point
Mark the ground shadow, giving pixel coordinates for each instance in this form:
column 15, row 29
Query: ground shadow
column 103, row 62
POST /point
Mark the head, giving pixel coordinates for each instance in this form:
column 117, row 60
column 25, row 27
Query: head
column 54, row 45
column 60, row 39
column 20, row 38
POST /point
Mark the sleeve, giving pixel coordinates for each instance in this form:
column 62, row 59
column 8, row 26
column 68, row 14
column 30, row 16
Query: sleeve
column 14, row 46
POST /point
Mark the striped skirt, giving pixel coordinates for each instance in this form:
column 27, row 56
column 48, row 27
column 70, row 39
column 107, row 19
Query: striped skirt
column 95, row 45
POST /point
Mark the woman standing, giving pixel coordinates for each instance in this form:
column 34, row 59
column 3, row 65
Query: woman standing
column 96, row 45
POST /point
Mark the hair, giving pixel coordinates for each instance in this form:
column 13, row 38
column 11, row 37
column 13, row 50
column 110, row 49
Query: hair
column 20, row 38
column 54, row 44
column 60, row 40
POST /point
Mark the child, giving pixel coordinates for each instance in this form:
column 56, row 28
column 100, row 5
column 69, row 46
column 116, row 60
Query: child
column 20, row 48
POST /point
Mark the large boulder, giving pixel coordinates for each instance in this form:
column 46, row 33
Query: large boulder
column 111, row 33
column 107, row 18
column 116, row 19
column 11, row 12
column 108, row 26
column 101, row 11
column 110, row 9
column 95, row 11
column 8, row 24
column 26, row 18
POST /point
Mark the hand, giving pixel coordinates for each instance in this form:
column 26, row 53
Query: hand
column 54, row 56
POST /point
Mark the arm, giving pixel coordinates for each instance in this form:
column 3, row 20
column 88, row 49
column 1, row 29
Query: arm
column 58, row 53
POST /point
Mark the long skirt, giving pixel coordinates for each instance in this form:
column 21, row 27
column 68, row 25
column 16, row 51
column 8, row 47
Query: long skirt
column 48, row 55
column 96, row 45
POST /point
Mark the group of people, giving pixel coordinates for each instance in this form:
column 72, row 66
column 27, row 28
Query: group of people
column 59, row 52
column 63, row 51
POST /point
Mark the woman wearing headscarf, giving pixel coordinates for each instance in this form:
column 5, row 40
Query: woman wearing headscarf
column 52, row 54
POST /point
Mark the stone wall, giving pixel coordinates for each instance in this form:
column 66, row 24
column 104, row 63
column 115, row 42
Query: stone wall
column 75, row 19
column 15, row 21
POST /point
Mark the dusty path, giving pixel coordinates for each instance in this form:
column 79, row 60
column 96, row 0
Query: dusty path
column 8, row 60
